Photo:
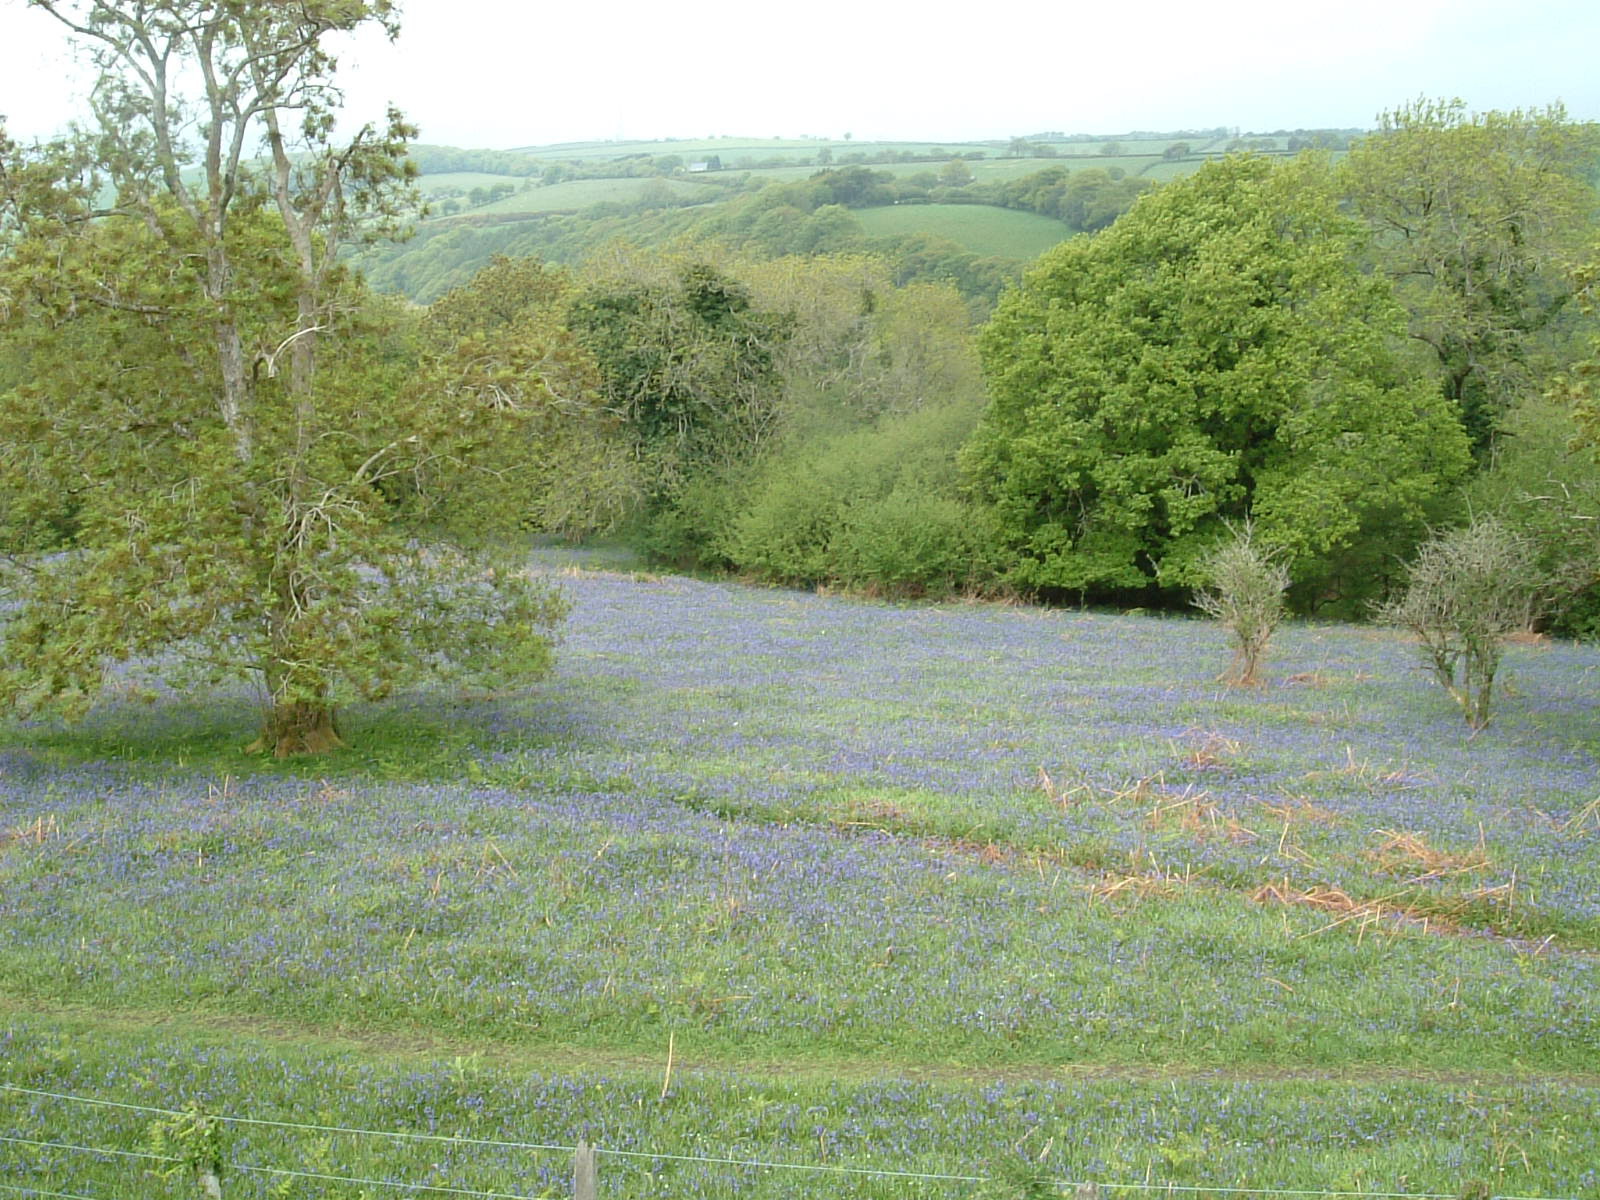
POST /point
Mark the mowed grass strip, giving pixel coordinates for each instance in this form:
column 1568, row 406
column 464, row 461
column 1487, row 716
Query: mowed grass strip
column 1390, row 1135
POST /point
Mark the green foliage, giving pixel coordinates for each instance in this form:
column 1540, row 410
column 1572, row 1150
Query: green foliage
column 692, row 368
column 1543, row 485
column 1243, row 590
column 685, row 358
column 1215, row 353
column 860, row 344
column 240, row 504
column 1476, row 216
column 504, row 334
column 877, row 509
column 1014, row 1177
column 911, row 543
column 181, row 549
column 193, row 1139
column 1466, row 591
column 1085, row 200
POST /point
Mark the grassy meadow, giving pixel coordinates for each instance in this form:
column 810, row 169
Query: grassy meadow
column 983, row 229
column 800, row 879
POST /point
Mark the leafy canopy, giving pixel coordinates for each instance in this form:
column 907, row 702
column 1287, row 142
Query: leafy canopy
column 1215, row 355
column 231, row 500
column 1476, row 217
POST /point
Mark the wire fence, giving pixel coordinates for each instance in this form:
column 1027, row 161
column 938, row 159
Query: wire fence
column 207, row 1179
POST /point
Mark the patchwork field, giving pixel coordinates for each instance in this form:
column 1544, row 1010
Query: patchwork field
column 799, row 880
column 981, row 228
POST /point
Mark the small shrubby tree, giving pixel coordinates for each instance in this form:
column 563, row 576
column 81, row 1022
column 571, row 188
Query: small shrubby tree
column 1244, row 591
column 1465, row 592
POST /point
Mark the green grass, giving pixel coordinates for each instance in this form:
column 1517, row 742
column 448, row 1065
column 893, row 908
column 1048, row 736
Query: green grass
column 1269, row 1132
column 464, row 181
column 578, row 194
column 902, row 886
column 1006, row 233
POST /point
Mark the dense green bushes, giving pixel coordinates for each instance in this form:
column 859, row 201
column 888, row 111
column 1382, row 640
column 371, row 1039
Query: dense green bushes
column 1216, row 355
column 1232, row 351
column 876, row 509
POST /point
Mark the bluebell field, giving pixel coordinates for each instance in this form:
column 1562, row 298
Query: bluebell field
column 783, row 828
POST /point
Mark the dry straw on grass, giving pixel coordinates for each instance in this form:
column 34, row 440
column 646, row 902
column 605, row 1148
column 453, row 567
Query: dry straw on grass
column 1364, row 914
column 1299, row 809
column 35, row 833
column 1066, row 796
column 1588, row 815
column 1136, row 887
column 1400, row 853
column 1208, row 751
column 1195, row 813
column 1374, row 779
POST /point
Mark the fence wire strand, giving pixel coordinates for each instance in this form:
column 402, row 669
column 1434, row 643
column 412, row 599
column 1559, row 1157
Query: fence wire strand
column 144, row 1108
column 398, row 1135
column 88, row 1149
column 33, row 1191
column 778, row 1166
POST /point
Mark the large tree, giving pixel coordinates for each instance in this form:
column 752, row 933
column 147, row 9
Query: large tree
column 1216, row 354
column 239, row 503
column 1476, row 219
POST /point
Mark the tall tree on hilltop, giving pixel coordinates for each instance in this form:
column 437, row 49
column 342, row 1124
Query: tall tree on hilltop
column 1476, row 218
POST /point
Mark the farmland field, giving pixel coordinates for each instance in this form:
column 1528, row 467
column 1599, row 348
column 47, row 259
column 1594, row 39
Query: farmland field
column 463, row 181
column 578, row 194
column 981, row 228
column 910, row 889
column 984, row 170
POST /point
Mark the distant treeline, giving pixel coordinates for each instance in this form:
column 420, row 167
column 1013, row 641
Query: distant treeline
column 809, row 216
column 532, row 164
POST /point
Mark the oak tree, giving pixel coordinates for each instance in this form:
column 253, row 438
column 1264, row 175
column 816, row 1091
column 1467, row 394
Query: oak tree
column 1476, row 217
column 1217, row 355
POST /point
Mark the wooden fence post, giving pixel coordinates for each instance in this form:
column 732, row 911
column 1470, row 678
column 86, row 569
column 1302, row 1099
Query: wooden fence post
column 583, row 1173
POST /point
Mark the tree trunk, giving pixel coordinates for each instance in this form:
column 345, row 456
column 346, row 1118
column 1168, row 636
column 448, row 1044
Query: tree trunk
column 238, row 394
column 295, row 727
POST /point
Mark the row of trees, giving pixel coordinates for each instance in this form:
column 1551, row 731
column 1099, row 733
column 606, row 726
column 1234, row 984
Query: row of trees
column 1343, row 356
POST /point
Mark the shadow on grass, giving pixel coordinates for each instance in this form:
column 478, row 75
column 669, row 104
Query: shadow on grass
column 422, row 737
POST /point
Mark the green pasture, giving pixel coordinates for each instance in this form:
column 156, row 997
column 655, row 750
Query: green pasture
column 578, row 194
column 730, row 147
column 981, row 228
column 464, row 181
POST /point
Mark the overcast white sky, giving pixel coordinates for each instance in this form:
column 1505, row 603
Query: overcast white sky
column 502, row 73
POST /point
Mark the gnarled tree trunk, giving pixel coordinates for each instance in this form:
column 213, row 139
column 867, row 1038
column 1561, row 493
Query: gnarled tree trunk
column 294, row 727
